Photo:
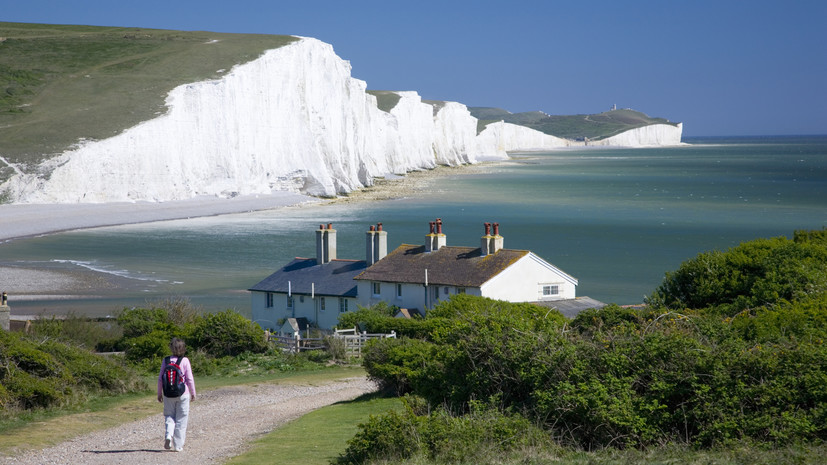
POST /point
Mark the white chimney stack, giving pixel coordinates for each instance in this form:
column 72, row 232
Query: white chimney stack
column 485, row 241
column 376, row 244
column 325, row 244
column 496, row 242
column 435, row 239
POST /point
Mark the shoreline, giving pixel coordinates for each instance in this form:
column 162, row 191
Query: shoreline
column 54, row 281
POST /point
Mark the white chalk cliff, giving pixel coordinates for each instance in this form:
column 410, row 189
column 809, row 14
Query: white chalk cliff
column 646, row 136
column 294, row 119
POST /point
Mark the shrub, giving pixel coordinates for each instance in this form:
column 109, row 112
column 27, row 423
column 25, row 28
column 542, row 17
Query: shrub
column 227, row 333
column 760, row 272
column 48, row 373
column 138, row 322
column 441, row 437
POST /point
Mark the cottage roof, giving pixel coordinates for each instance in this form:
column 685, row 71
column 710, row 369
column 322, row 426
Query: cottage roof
column 571, row 307
column 334, row 278
column 448, row 266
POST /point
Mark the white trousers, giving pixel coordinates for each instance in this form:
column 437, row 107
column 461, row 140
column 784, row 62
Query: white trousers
column 176, row 413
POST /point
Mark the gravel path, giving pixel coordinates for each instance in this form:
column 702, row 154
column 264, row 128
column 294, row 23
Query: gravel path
column 221, row 422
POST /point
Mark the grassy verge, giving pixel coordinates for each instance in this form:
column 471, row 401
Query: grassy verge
column 42, row 429
column 318, row 437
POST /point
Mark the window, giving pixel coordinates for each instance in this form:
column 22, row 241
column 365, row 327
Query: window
column 398, row 291
column 550, row 290
column 445, row 291
column 268, row 300
column 377, row 288
column 342, row 305
column 435, row 292
column 460, row 290
column 321, row 303
column 289, row 303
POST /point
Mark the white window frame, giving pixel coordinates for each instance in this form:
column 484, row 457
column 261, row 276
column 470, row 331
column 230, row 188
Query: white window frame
column 399, row 290
column 268, row 300
column 321, row 303
column 376, row 288
column 553, row 290
column 343, row 307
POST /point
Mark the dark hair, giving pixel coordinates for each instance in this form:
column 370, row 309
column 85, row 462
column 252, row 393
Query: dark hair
column 177, row 347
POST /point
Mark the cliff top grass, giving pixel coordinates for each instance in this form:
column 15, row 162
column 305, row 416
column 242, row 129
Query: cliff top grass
column 60, row 84
column 575, row 127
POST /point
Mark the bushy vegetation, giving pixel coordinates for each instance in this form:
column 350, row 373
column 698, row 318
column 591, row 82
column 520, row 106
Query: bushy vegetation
column 147, row 332
column 441, row 436
column 743, row 364
column 43, row 372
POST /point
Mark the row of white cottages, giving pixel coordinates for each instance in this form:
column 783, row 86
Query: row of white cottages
column 412, row 277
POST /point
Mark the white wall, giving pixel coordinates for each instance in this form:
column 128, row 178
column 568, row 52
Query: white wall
column 268, row 318
column 522, row 282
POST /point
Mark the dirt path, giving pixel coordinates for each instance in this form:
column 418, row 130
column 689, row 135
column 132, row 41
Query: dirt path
column 221, row 422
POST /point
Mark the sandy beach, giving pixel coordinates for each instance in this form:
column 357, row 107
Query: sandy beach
column 58, row 282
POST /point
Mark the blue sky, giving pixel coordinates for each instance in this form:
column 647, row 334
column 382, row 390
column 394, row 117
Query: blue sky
column 722, row 67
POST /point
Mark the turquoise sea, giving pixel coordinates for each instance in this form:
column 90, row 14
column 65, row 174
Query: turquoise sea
column 616, row 219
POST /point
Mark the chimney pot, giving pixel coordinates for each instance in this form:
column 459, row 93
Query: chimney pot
column 329, row 225
column 432, row 223
column 487, row 229
column 372, row 228
column 439, row 225
column 378, row 226
column 496, row 229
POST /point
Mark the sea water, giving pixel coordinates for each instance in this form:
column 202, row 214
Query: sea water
column 616, row 219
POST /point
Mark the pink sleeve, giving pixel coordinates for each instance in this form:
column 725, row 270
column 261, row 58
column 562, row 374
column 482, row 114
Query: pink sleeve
column 160, row 375
column 187, row 369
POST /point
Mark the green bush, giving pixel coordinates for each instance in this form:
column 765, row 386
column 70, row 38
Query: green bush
column 442, row 437
column 46, row 373
column 136, row 322
column 227, row 333
column 627, row 377
column 151, row 346
column 756, row 273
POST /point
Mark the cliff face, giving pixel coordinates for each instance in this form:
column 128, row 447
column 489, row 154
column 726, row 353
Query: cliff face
column 293, row 119
column 498, row 138
column 647, row 136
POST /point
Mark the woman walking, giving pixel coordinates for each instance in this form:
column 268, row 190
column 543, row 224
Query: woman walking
column 176, row 389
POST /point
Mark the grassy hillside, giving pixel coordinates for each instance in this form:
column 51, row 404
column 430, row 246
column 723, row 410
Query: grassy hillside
column 576, row 127
column 60, row 84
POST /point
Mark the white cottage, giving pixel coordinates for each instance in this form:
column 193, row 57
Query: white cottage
column 318, row 289
column 412, row 277
column 420, row 276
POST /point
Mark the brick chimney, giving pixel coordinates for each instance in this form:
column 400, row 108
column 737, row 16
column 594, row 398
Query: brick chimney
column 325, row 244
column 435, row 239
column 376, row 244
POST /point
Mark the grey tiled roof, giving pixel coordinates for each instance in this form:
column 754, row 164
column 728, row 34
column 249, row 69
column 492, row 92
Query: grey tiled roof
column 571, row 307
column 331, row 279
column 448, row 266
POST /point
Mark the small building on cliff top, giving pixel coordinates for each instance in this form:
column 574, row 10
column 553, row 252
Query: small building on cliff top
column 412, row 277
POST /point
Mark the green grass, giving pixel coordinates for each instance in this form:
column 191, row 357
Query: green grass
column 318, row 437
column 575, row 127
column 386, row 100
column 60, row 84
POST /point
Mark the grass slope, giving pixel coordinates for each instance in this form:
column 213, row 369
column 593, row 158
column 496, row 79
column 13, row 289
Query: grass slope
column 576, row 127
column 60, row 84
